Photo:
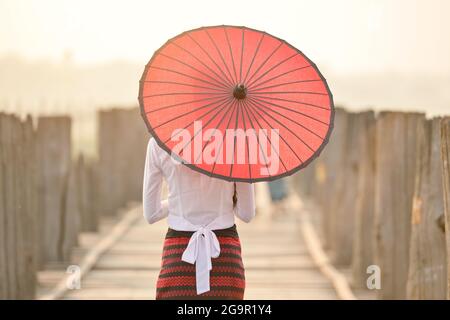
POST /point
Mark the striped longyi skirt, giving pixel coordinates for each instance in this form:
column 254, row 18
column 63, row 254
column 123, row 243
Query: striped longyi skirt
column 177, row 278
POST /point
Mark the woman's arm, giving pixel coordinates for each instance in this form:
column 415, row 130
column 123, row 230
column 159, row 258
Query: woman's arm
column 245, row 205
column 154, row 208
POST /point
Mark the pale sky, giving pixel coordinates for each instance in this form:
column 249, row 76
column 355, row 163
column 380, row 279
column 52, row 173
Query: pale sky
column 346, row 36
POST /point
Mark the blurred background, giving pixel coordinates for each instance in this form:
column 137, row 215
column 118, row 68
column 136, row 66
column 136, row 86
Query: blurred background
column 74, row 57
column 80, row 62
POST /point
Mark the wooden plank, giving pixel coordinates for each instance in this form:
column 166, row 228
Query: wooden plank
column 141, row 278
column 396, row 147
column 139, row 262
column 318, row 255
column 364, row 238
column 427, row 266
column 445, row 162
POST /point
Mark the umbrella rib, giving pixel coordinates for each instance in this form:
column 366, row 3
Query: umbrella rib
column 265, row 61
column 208, row 122
column 187, row 113
column 223, row 138
column 287, row 128
column 183, row 74
column 234, row 141
column 184, row 84
column 215, row 129
column 268, row 139
column 271, row 69
column 295, row 111
column 213, row 61
column 242, row 55
column 220, row 54
column 282, row 84
column 283, row 74
column 294, row 92
column 181, row 103
column 246, row 141
column 219, row 84
column 221, row 103
column 257, row 137
column 185, row 93
column 281, row 136
column 231, row 53
column 291, row 101
column 222, row 80
column 254, row 56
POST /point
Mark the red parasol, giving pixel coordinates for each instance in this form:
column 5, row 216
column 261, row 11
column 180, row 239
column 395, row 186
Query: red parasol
column 236, row 103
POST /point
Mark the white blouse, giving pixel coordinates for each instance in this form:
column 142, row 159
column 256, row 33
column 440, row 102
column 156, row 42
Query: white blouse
column 196, row 202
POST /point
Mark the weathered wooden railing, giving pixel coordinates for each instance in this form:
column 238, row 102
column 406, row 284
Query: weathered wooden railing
column 383, row 188
column 382, row 185
column 48, row 195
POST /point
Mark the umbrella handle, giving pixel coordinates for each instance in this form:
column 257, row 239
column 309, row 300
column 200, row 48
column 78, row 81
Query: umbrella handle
column 234, row 195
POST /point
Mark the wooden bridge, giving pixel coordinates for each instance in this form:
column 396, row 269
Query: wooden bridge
column 372, row 211
column 281, row 259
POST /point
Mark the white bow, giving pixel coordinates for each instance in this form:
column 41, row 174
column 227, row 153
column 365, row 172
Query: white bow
column 202, row 246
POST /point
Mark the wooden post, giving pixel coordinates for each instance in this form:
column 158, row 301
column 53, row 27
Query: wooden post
column 4, row 283
column 31, row 205
column 139, row 134
column 303, row 181
column 122, row 144
column 364, row 201
column 343, row 205
column 445, row 157
column 17, row 193
column 107, row 143
column 7, row 137
column 427, row 266
column 70, row 215
column 92, row 191
column 327, row 169
column 88, row 217
column 396, row 148
column 54, row 154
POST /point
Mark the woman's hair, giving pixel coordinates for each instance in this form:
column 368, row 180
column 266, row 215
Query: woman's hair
column 234, row 196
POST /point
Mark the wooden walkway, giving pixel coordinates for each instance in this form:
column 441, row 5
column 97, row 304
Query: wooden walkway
column 277, row 260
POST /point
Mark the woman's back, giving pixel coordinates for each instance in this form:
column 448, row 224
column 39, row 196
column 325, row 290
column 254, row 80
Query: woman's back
column 200, row 214
column 194, row 198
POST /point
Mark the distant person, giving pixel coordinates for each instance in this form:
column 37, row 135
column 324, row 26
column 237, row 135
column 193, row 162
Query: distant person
column 278, row 193
column 202, row 252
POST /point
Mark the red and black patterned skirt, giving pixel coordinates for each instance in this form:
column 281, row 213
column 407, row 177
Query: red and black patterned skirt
column 177, row 278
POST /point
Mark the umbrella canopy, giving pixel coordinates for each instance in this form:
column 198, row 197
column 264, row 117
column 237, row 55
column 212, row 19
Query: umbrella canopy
column 236, row 103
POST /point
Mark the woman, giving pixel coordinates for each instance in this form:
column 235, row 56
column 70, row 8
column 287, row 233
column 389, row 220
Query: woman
column 202, row 252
